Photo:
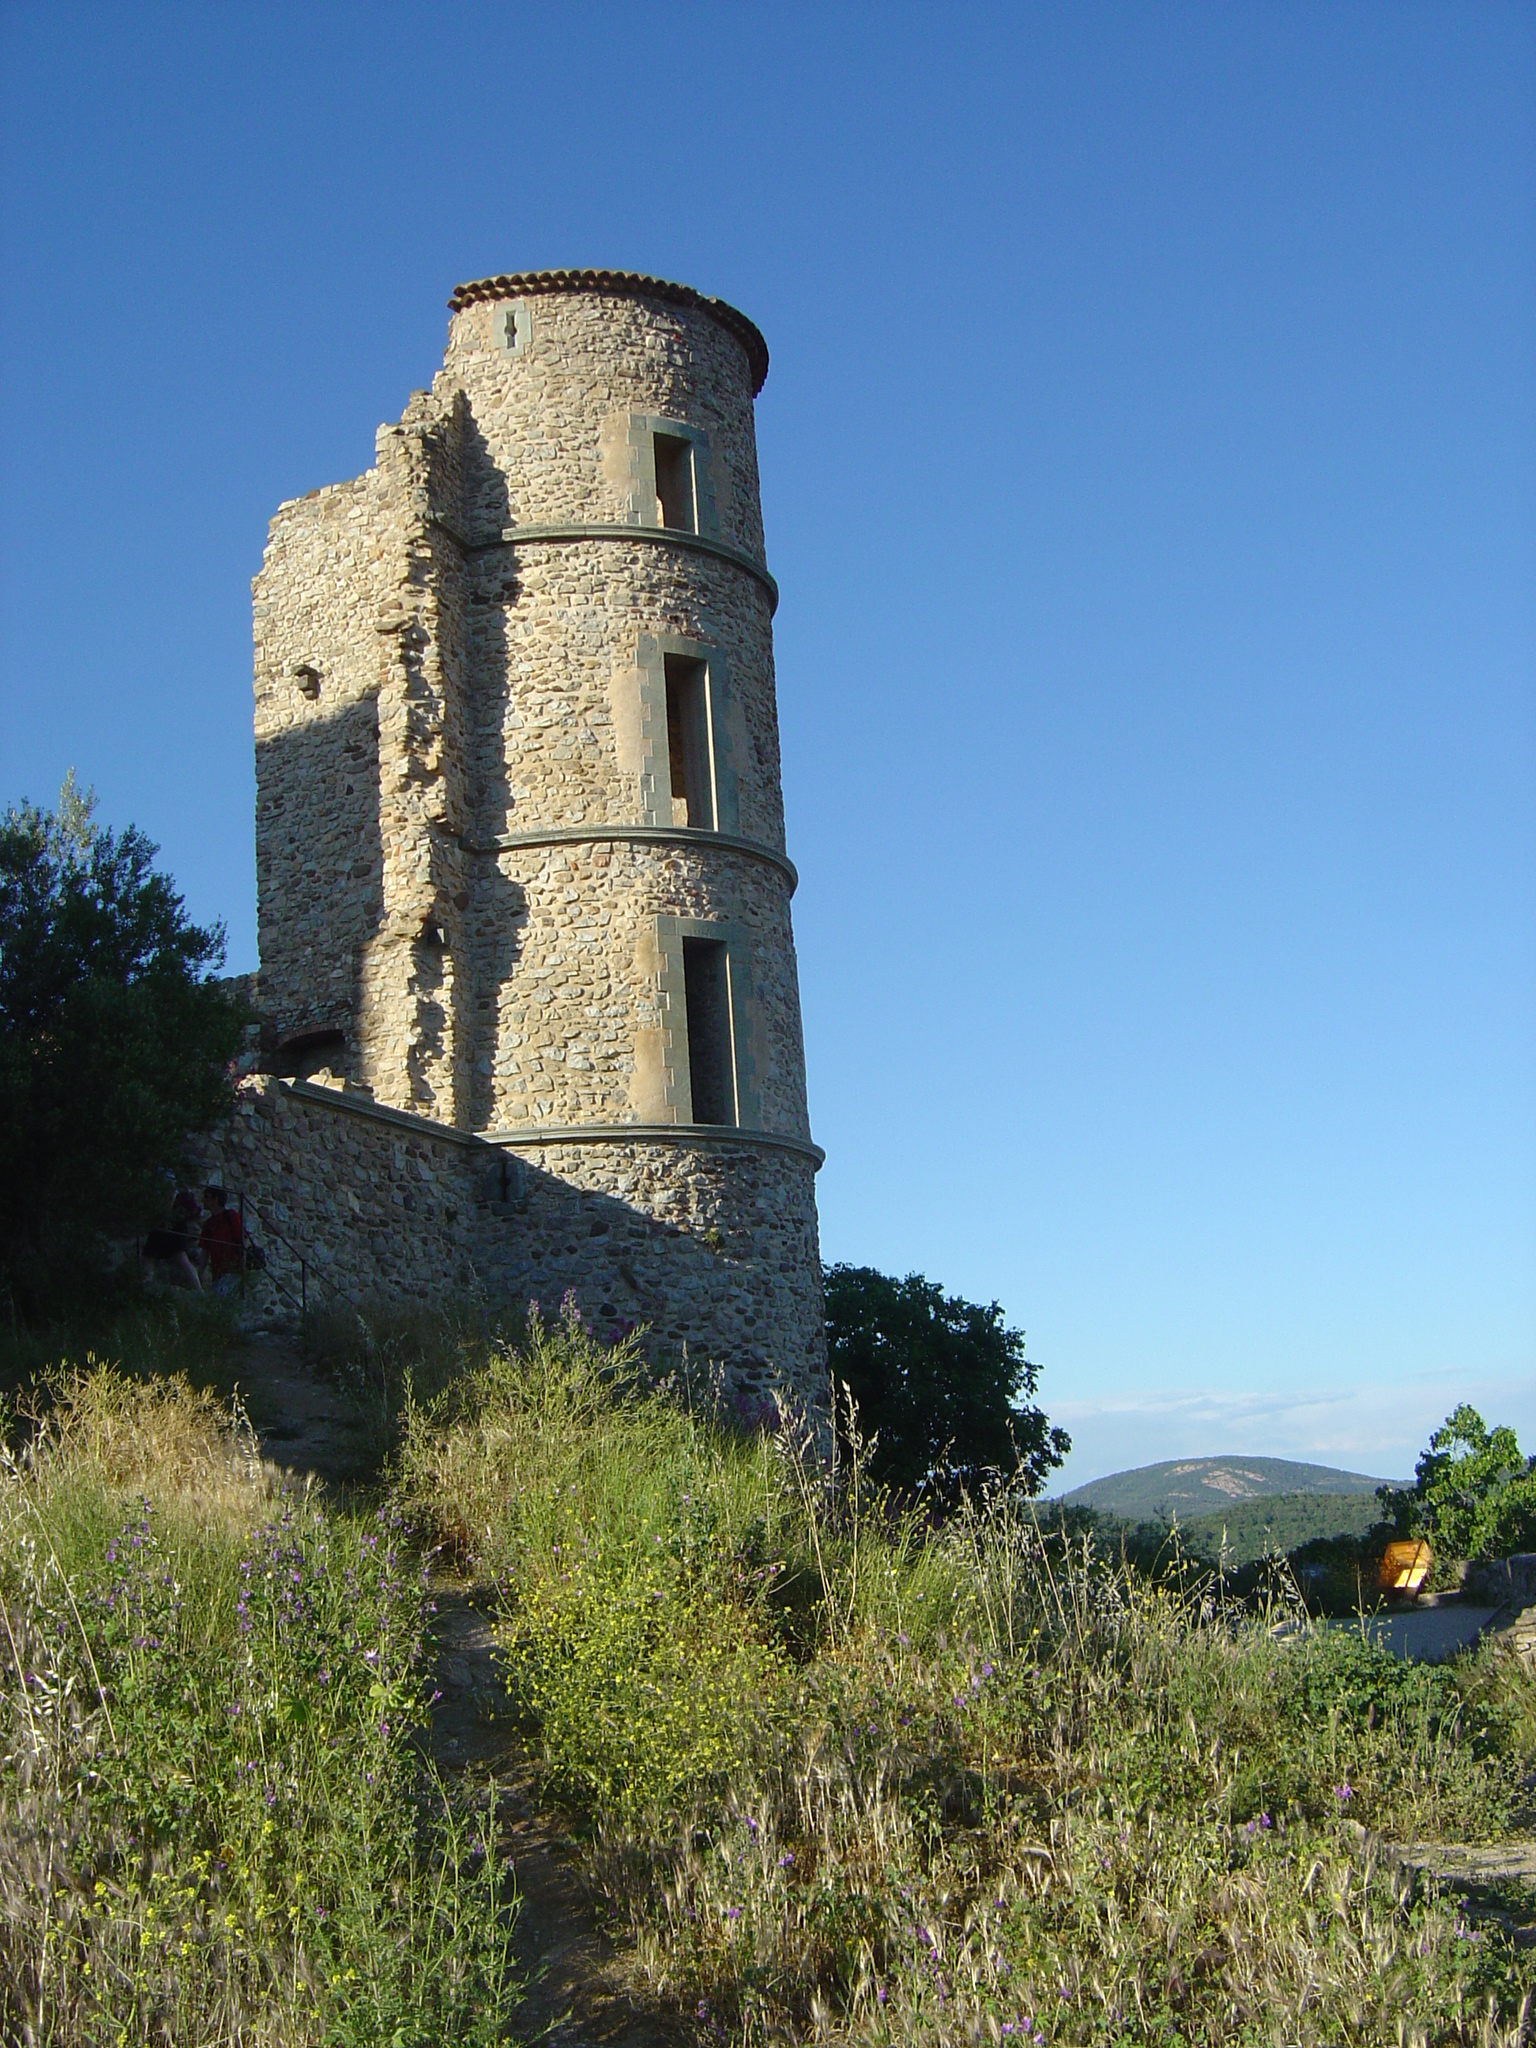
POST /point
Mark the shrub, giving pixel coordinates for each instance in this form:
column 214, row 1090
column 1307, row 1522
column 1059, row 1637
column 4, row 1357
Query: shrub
column 630, row 1542
column 647, row 1693
column 114, row 1044
column 939, row 1382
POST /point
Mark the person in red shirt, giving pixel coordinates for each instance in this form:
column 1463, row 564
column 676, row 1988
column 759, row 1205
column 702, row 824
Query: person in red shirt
column 222, row 1238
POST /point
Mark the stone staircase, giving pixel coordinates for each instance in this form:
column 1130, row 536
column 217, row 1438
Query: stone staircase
column 1509, row 1585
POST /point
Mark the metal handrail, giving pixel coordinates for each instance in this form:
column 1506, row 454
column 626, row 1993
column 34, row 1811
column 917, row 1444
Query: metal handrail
column 272, row 1230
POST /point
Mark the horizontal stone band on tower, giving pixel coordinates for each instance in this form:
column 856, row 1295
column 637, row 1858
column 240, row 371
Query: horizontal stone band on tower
column 528, row 1136
column 639, row 835
column 657, row 536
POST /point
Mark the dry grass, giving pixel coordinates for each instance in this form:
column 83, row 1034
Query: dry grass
column 853, row 1779
column 194, row 1455
column 215, row 1828
column 850, row 1778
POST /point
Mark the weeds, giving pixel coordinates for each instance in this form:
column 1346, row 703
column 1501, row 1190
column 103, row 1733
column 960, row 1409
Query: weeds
column 850, row 1775
column 214, row 1822
column 853, row 1777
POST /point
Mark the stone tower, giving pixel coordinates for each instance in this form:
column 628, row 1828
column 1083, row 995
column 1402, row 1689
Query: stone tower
column 520, row 835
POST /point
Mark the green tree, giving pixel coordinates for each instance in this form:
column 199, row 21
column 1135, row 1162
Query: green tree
column 1474, row 1494
column 943, row 1383
column 114, row 1042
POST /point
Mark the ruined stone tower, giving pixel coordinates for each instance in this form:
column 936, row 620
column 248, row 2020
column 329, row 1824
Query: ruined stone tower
column 522, row 880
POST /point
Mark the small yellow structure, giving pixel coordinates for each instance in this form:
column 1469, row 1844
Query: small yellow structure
column 1404, row 1566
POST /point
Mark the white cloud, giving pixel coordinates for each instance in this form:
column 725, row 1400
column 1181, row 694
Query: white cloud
column 1375, row 1426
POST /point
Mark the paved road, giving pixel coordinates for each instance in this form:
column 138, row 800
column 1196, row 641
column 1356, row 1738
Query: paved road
column 1428, row 1634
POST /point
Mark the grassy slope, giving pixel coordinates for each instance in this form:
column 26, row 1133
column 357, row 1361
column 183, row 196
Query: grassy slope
column 1201, row 1486
column 847, row 1776
column 851, row 1776
column 210, row 1697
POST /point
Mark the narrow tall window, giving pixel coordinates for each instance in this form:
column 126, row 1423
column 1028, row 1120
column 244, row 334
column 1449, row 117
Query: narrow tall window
column 711, row 1051
column 676, row 501
column 690, row 749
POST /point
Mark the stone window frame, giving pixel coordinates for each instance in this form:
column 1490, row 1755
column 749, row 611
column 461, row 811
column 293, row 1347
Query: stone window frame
column 672, row 993
column 651, row 651
column 640, row 450
column 512, row 326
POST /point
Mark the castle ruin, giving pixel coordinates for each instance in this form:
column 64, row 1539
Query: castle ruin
column 530, row 1009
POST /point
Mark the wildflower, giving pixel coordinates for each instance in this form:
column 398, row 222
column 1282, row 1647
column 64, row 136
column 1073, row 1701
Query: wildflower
column 1343, row 1792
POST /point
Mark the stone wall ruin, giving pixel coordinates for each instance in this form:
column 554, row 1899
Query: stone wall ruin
column 491, row 921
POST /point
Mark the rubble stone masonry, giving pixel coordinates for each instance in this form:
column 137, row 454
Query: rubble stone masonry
column 504, row 895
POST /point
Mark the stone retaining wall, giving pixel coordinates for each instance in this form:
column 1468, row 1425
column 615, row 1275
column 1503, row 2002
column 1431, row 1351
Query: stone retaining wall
column 709, row 1245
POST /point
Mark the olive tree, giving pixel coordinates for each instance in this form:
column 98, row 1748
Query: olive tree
column 115, row 1043
column 942, row 1382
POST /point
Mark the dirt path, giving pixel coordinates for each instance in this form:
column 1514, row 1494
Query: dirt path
column 585, row 1990
column 300, row 1419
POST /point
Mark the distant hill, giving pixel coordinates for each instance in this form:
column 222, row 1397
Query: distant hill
column 1190, row 1487
column 1248, row 1529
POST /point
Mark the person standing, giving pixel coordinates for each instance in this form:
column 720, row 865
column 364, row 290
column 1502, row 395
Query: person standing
column 175, row 1250
column 222, row 1239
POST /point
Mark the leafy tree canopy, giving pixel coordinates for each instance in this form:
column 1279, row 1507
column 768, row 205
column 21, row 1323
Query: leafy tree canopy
column 941, row 1380
column 1474, row 1494
column 114, row 1044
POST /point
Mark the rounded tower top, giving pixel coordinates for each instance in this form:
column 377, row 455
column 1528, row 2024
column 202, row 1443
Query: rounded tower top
column 624, row 284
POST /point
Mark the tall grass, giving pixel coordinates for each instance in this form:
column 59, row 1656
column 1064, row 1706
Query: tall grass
column 849, row 1776
column 853, row 1778
column 215, row 1825
column 147, row 1333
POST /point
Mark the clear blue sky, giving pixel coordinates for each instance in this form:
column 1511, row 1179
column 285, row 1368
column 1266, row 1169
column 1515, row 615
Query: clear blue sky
column 1149, row 463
